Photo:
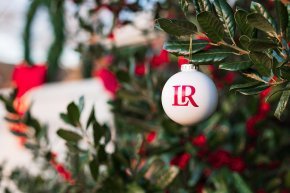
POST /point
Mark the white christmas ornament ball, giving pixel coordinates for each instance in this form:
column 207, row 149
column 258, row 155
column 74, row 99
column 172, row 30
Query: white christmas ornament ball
column 189, row 96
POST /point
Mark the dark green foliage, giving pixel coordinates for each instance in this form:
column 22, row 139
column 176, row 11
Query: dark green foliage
column 262, row 39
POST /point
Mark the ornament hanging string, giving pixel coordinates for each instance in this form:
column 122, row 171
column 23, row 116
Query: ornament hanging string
column 190, row 48
column 190, row 52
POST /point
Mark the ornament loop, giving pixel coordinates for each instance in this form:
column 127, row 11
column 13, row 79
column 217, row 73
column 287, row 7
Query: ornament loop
column 188, row 68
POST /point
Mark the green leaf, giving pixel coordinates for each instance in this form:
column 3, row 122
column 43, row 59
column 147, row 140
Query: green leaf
column 204, row 5
column 226, row 16
column 98, row 132
column 167, row 177
column 277, row 91
column 65, row 118
column 184, row 5
column 32, row 122
column 85, row 25
column 102, row 155
column 240, row 184
column 107, row 133
column 91, row 118
column 244, row 86
column 177, row 27
column 196, row 6
column 241, row 20
column 69, row 135
column 282, row 14
column 134, row 188
column 81, row 103
column 8, row 104
column 258, row 8
column 280, row 59
column 12, row 120
column 94, row 168
column 261, row 45
column 123, row 76
column 213, row 55
column 282, row 103
column 252, row 74
column 235, row 66
column 245, row 41
column 262, row 63
column 19, row 134
column 258, row 21
column 73, row 114
column 254, row 90
column 288, row 26
column 182, row 47
column 211, row 26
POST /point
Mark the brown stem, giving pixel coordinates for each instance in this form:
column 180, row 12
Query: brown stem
column 241, row 51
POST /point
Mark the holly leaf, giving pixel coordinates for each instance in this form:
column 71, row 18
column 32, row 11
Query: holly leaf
column 166, row 176
column 226, row 16
column 240, row 184
column 258, row 21
column 176, row 27
column 8, row 104
column 245, row 41
column 282, row 103
column 288, row 26
column 98, row 132
column 236, row 66
column 211, row 26
column 94, row 168
column 134, row 188
column 184, row 5
column 252, row 74
column 91, row 118
column 259, row 8
column 69, row 135
column 213, row 55
column 262, row 63
column 204, row 5
column 254, row 90
column 261, row 45
column 241, row 20
column 196, row 6
column 282, row 15
column 182, row 47
column 244, row 85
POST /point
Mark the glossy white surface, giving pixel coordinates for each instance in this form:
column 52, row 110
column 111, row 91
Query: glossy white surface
column 205, row 97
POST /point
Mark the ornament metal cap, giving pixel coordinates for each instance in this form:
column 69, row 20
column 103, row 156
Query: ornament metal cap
column 187, row 68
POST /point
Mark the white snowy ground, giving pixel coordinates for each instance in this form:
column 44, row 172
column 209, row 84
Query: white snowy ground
column 48, row 102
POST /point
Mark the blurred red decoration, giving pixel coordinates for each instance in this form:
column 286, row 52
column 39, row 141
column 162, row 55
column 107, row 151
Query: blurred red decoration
column 160, row 59
column 140, row 69
column 221, row 80
column 61, row 170
column 199, row 140
column 182, row 60
column 151, row 136
column 219, row 158
column 109, row 80
column 237, row 164
column 199, row 188
column 181, row 160
column 260, row 190
column 26, row 77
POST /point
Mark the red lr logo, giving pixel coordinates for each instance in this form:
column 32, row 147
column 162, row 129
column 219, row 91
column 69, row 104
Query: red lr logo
column 190, row 89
